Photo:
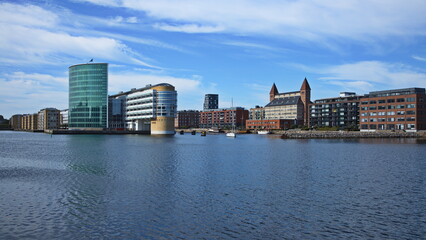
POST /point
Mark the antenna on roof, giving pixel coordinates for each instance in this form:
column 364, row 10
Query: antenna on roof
column 91, row 60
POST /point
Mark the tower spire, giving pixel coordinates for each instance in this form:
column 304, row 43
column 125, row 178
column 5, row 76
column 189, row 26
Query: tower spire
column 273, row 92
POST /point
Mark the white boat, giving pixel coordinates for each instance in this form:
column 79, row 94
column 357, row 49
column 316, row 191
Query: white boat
column 232, row 132
column 263, row 132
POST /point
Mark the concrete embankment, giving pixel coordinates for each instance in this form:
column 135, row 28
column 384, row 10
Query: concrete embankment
column 107, row 132
column 350, row 134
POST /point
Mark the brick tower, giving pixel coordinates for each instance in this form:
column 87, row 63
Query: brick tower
column 273, row 92
column 305, row 95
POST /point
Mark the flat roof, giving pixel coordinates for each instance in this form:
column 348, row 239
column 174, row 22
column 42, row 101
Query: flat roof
column 149, row 86
column 86, row 64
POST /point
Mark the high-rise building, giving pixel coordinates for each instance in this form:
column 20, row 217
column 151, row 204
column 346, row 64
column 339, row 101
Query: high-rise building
column 88, row 96
column 211, row 102
column 152, row 108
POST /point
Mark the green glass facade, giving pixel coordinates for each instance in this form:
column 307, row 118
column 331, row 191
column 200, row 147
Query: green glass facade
column 88, row 96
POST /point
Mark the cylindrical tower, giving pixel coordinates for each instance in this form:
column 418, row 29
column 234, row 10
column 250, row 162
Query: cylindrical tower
column 88, row 96
column 165, row 109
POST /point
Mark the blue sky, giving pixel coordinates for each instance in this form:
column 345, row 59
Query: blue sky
column 234, row 48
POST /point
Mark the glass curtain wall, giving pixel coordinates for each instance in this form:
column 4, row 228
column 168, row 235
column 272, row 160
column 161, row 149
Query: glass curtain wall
column 88, row 96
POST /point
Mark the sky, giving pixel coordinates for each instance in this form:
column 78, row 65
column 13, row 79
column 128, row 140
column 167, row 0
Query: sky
column 236, row 49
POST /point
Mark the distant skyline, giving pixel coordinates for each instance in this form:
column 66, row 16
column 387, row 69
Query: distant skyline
column 236, row 49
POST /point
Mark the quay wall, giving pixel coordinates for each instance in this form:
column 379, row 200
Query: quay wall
column 350, row 134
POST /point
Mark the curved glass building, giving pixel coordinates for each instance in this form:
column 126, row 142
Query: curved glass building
column 88, row 96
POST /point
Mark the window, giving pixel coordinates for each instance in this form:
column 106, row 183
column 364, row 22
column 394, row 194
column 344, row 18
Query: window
column 400, row 106
column 381, row 107
column 364, row 114
column 373, row 126
column 411, row 99
column 364, row 126
column 373, row 102
column 382, row 113
column 364, row 108
column 391, row 119
column 382, row 101
column 364, row 102
column 411, row 105
column 411, row 119
column 373, row 114
column 400, row 100
column 391, row 100
column 373, row 119
column 391, row 107
column 372, row 108
column 400, row 113
column 410, row 112
column 400, row 119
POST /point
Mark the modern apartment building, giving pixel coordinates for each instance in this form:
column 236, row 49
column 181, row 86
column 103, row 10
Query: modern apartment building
column 399, row 109
column 15, row 121
column 48, row 118
column 187, row 119
column 88, row 96
column 257, row 113
column 29, row 122
column 152, row 108
column 224, row 118
column 342, row 111
column 63, row 119
column 211, row 102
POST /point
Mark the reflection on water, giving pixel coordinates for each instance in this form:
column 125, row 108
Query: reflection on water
column 251, row 187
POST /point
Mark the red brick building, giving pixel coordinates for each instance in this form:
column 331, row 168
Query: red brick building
column 400, row 109
column 187, row 119
column 224, row 117
column 270, row 124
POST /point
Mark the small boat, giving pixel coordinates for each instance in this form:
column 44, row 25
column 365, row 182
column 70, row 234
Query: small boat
column 181, row 132
column 203, row 133
column 263, row 132
column 193, row 132
column 231, row 134
column 214, row 130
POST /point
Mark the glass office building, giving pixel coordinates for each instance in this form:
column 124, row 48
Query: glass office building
column 88, row 96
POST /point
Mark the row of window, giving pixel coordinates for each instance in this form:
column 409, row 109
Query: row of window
column 399, row 119
column 388, row 107
column 381, row 101
column 388, row 126
column 364, row 114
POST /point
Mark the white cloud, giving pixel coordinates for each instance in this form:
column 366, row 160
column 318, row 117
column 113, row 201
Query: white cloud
column 423, row 59
column 28, row 93
column 126, row 81
column 307, row 19
column 26, row 15
column 373, row 75
column 32, row 37
column 189, row 28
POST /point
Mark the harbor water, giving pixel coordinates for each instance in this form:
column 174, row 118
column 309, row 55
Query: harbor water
column 213, row 187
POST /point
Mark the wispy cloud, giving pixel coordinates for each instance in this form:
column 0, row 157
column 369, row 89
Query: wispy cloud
column 305, row 19
column 189, row 28
column 423, row 59
column 372, row 75
column 29, row 92
column 32, row 35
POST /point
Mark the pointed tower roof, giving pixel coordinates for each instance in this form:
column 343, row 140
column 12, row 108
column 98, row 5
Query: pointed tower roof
column 305, row 85
column 274, row 90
